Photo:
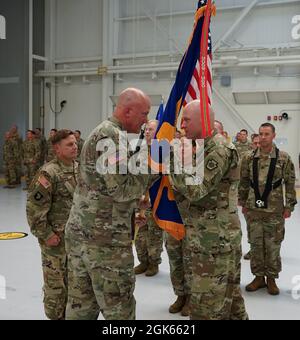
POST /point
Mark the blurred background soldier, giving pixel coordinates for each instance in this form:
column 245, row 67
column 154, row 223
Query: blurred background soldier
column 80, row 143
column 255, row 144
column 149, row 240
column 17, row 141
column 49, row 202
column 264, row 172
column 228, row 215
column 50, row 155
column 42, row 143
column 31, row 157
column 243, row 145
column 10, row 154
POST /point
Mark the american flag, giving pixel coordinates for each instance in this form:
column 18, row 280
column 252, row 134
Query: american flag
column 194, row 80
column 200, row 86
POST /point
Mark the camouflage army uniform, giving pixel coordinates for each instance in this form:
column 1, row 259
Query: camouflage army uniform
column 50, row 154
column 17, row 145
column 149, row 242
column 31, row 159
column 10, row 154
column 43, row 149
column 48, row 206
column 228, row 214
column 99, row 235
column 179, row 254
column 243, row 148
column 267, row 226
column 208, row 239
column 80, row 144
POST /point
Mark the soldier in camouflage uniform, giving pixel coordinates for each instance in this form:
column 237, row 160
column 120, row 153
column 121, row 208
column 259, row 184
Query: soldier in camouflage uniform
column 50, row 154
column 208, row 238
column 149, row 240
column 243, row 146
column 99, row 230
column 31, row 157
column 254, row 146
column 80, row 143
column 180, row 261
column 261, row 194
column 10, row 153
column 17, row 142
column 228, row 215
column 42, row 143
column 49, row 202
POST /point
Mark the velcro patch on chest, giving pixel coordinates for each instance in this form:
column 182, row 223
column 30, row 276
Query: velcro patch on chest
column 212, row 165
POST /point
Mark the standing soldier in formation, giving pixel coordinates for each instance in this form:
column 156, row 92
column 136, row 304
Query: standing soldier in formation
column 264, row 174
column 242, row 145
column 208, row 237
column 42, row 143
column 49, row 202
column 149, row 240
column 80, row 143
column 10, row 154
column 17, row 142
column 228, row 215
column 255, row 144
column 50, row 154
column 99, row 230
column 31, row 157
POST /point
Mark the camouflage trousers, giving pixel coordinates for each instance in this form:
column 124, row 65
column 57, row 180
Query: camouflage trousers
column 211, row 292
column 238, row 309
column 30, row 170
column 101, row 279
column 54, row 263
column 11, row 173
column 180, row 265
column 149, row 243
column 266, row 235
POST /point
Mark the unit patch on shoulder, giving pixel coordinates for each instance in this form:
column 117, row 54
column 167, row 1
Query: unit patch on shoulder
column 212, row 165
column 38, row 196
column 44, row 182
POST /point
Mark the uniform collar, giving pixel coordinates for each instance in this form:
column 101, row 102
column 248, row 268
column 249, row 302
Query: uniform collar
column 65, row 167
column 272, row 153
column 115, row 121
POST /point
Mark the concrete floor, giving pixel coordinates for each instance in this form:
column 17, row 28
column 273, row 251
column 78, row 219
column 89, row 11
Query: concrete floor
column 20, row 265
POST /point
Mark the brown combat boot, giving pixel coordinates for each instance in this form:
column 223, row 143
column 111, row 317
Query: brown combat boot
column 186, row 308
column 177, row 306
column 256, row 284
column 272, row 287
column 141, row 268
column 247, row 256
column 152, row 269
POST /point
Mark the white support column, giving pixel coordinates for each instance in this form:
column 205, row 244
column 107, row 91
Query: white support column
column 108, row 45
column 50, row 54
column 30, row 65
column 240, row 18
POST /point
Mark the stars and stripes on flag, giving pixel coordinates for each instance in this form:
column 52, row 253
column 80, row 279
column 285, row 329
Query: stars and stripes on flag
column 193, row 81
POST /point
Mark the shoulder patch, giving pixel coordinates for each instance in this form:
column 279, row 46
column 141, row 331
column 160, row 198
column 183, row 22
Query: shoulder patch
column 38, row 196
column 212, row 165
column 44, row 182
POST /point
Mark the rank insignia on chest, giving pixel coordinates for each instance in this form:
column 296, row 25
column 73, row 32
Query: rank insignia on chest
column 212, row 165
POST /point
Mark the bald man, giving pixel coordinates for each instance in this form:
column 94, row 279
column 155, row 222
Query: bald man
column 206, row 223
column 99, row 230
